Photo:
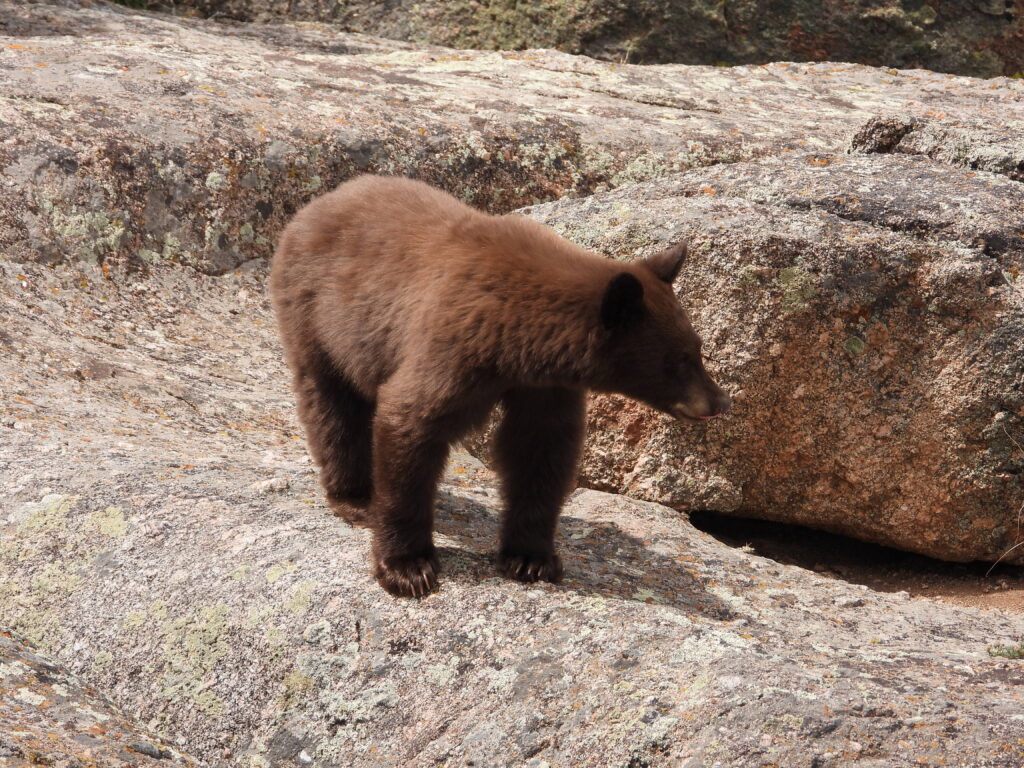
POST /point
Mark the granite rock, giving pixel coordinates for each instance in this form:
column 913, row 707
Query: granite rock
column 144, row 138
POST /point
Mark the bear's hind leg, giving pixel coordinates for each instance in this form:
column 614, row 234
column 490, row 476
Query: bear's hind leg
column 339, row 423
column 537, row 451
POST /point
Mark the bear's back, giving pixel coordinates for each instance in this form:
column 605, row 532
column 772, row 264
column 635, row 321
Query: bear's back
column 382, row 267
column 358, row 272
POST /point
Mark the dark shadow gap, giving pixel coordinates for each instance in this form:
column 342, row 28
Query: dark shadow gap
column 881, row 568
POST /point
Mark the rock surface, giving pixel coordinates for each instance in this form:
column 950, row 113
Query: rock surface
column 867, row 312
column 163, row 538
column 972, row 38
column 48, row 717
column 129, row 136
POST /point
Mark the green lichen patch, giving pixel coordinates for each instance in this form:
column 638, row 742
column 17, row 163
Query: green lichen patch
column 158, row 610
column 1007, row 651
column 173, row 251
column 215, row 181
column 246, row 233
column 30, row 697
column 798, row 288
column 645, row 167
column 750, row 275
column 854, row 345
column 257, row 617
column 192, row 647
column 301, row 598
column 134, row 620
column 369, row 704
column 647, row 596
column 109, row 522
column 48, row 515
column 103, row 660
column 20, row 612
column 31, row 606
column 277, row 571
column 439, row 674
column 276, row 637
column 317, row 632
column 296, row 687
column 55, row 579
column 88, row 235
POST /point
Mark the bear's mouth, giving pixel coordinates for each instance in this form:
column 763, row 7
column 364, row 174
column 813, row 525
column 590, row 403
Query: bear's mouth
column 679, row 412
column 685, row 419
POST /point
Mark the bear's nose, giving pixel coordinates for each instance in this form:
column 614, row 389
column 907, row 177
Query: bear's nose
column 721, row 403
column 724, row 404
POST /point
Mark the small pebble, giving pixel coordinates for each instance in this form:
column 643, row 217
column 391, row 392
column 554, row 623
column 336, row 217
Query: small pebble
column 849, row 602
column 273, row 485
column 151, row 750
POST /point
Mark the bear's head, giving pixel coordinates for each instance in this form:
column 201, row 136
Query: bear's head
column 651, row 351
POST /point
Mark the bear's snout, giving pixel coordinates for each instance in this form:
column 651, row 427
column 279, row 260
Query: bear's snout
column 704, row 405
column 722, row 403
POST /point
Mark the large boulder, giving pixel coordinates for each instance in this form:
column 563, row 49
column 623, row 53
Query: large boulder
column 125, row 135
column 163, row 538
column 867, row 312
column 965, row 36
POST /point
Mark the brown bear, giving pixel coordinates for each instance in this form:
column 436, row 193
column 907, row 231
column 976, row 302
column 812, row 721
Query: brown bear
column 406, row 316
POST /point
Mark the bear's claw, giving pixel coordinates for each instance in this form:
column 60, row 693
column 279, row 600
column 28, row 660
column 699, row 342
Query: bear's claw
column 408, row 575
column 531, row 567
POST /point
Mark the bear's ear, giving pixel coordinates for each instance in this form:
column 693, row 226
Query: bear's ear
column 623, row 302
column 666, row 264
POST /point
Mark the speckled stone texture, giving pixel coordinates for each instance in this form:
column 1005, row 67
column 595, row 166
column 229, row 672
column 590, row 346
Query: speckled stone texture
column 163, row 537
column 149, row 138
column 867, row 313
column 49, row 717
column 971, row 37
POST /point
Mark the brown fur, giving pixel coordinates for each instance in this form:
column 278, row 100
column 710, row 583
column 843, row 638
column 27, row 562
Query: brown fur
column 406, row 316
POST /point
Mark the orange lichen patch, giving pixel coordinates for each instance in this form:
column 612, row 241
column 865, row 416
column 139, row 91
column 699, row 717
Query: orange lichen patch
column 45, row 713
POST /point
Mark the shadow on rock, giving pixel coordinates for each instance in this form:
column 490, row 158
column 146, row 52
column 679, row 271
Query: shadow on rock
column 601, row 560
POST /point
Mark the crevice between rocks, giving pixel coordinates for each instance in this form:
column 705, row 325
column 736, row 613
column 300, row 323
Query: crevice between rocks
column 881, row 568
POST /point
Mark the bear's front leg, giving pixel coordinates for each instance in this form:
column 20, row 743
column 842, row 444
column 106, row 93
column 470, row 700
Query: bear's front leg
column 408, row 459
column 537, row 450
